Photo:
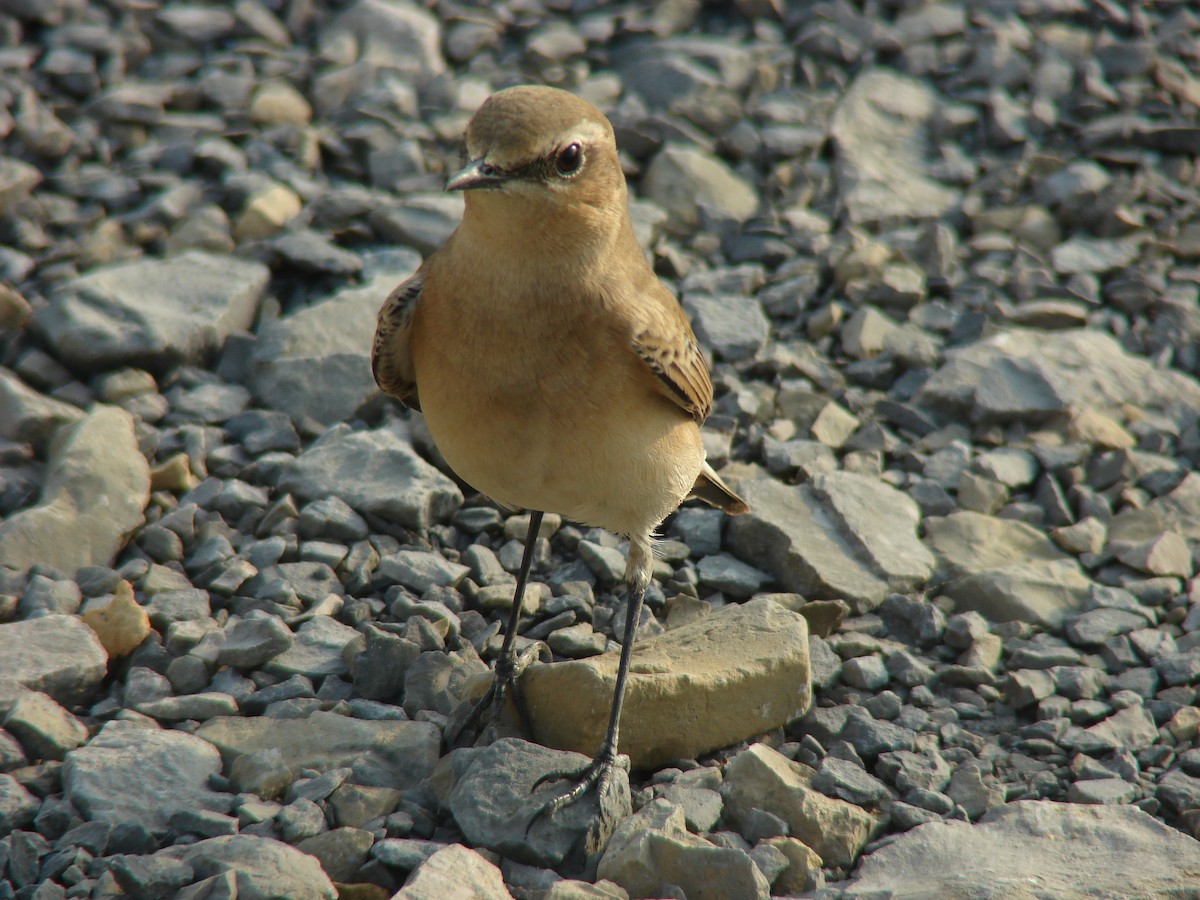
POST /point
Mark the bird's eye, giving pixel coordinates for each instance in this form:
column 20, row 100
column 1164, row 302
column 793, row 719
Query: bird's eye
column 570, row 158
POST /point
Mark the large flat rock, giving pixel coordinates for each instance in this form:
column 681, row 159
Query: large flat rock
column 30, row 417
column 501, row 788
column 376, row 472
column 152, row 314
column 133, row 773
column 1036, row 848
column 1026, row 374
column 263, row 868
column 383, row 753
column 881, row 132
column 1005, row 569
column 316, row 363
column 844, row 536
column 716, row 681
column 96, row 489
column 57, row 655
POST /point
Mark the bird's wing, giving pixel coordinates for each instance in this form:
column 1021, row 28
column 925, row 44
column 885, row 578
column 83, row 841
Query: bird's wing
column 391, row 359
column 663, row 338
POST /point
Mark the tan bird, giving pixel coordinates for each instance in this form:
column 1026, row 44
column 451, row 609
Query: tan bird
column 555, row 371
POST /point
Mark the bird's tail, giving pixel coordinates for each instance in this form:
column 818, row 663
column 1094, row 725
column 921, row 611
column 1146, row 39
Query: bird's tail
column 712, row 490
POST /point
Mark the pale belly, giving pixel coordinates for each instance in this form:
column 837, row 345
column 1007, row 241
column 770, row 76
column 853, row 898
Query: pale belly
column 588, row 440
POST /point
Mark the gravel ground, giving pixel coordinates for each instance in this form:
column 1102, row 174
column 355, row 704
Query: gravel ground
column 946, row 258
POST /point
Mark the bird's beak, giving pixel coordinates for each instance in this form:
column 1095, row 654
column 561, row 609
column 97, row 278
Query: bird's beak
column 475, row 175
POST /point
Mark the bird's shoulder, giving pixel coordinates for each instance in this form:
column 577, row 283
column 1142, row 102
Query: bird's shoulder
column 391, row 356
column 662, row 336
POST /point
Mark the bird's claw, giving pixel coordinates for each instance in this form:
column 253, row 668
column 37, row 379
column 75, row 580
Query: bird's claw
column 507, row 675
column 598, row 774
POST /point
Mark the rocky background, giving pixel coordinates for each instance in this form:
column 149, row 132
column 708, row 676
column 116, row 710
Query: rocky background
column 945, row 257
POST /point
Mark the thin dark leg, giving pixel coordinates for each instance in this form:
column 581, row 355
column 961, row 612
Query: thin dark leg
column 508, row 665
column 601, row 769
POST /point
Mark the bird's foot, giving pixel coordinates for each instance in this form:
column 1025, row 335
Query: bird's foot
column 506, row 678
column 599, row 775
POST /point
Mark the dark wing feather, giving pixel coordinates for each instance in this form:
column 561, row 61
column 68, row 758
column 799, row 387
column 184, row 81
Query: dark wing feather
column 663, row 338
column 391, row 359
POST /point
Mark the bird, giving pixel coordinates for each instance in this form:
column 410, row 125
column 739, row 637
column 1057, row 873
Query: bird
column 555, row 371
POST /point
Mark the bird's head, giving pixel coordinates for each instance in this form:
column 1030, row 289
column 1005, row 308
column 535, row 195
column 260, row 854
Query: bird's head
column 540, row 145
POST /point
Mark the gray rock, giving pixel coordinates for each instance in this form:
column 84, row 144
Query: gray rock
column 300, row 820
column 27, row 416
column 914, row 771
column 43, row 594
column 728, row 574
column 974, row 791
column 316, row 651
column 419, row 570
column 385, row 753
column 398, row 36
column 1019, row 373
column 199, row 706
column 454, row 872
column 263, row 868
column 845, row 536
column 96, row 488
column 404, row 854
column 871, row 737
column 1006, row 569
column 701, row 806
column 1096, row 626
column 762, row 778
column 654, row 849
column 1044, row 592
column 153, row 314
column 734, row 328
column 422, row 222
column 1179, row 668
column 155, row 875
column 1102, row 791
column 333, row 519
column 1131, row 729
column 1178, row 510
column 685, row 180
column 493, row 802
column 134, row 773
column 842, row 778
column 58, row 655
column 248, row 643
column 315, row 363
column 866, row 672
column 1165, row 554
column 1069, row 851
column 375, row 472
column 1096, row 255
column 341, row 851
column 17, row 805
column 45, row 729
column 880, row 129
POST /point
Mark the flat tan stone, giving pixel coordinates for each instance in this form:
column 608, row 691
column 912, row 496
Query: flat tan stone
column 120, row 623
column 762, row 778
column 95, row 493
column 804, row 866
column 713, row 682
column 267, row 212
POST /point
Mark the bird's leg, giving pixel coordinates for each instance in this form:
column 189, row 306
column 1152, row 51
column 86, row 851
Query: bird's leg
column 509, row 665
column 607, row 760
